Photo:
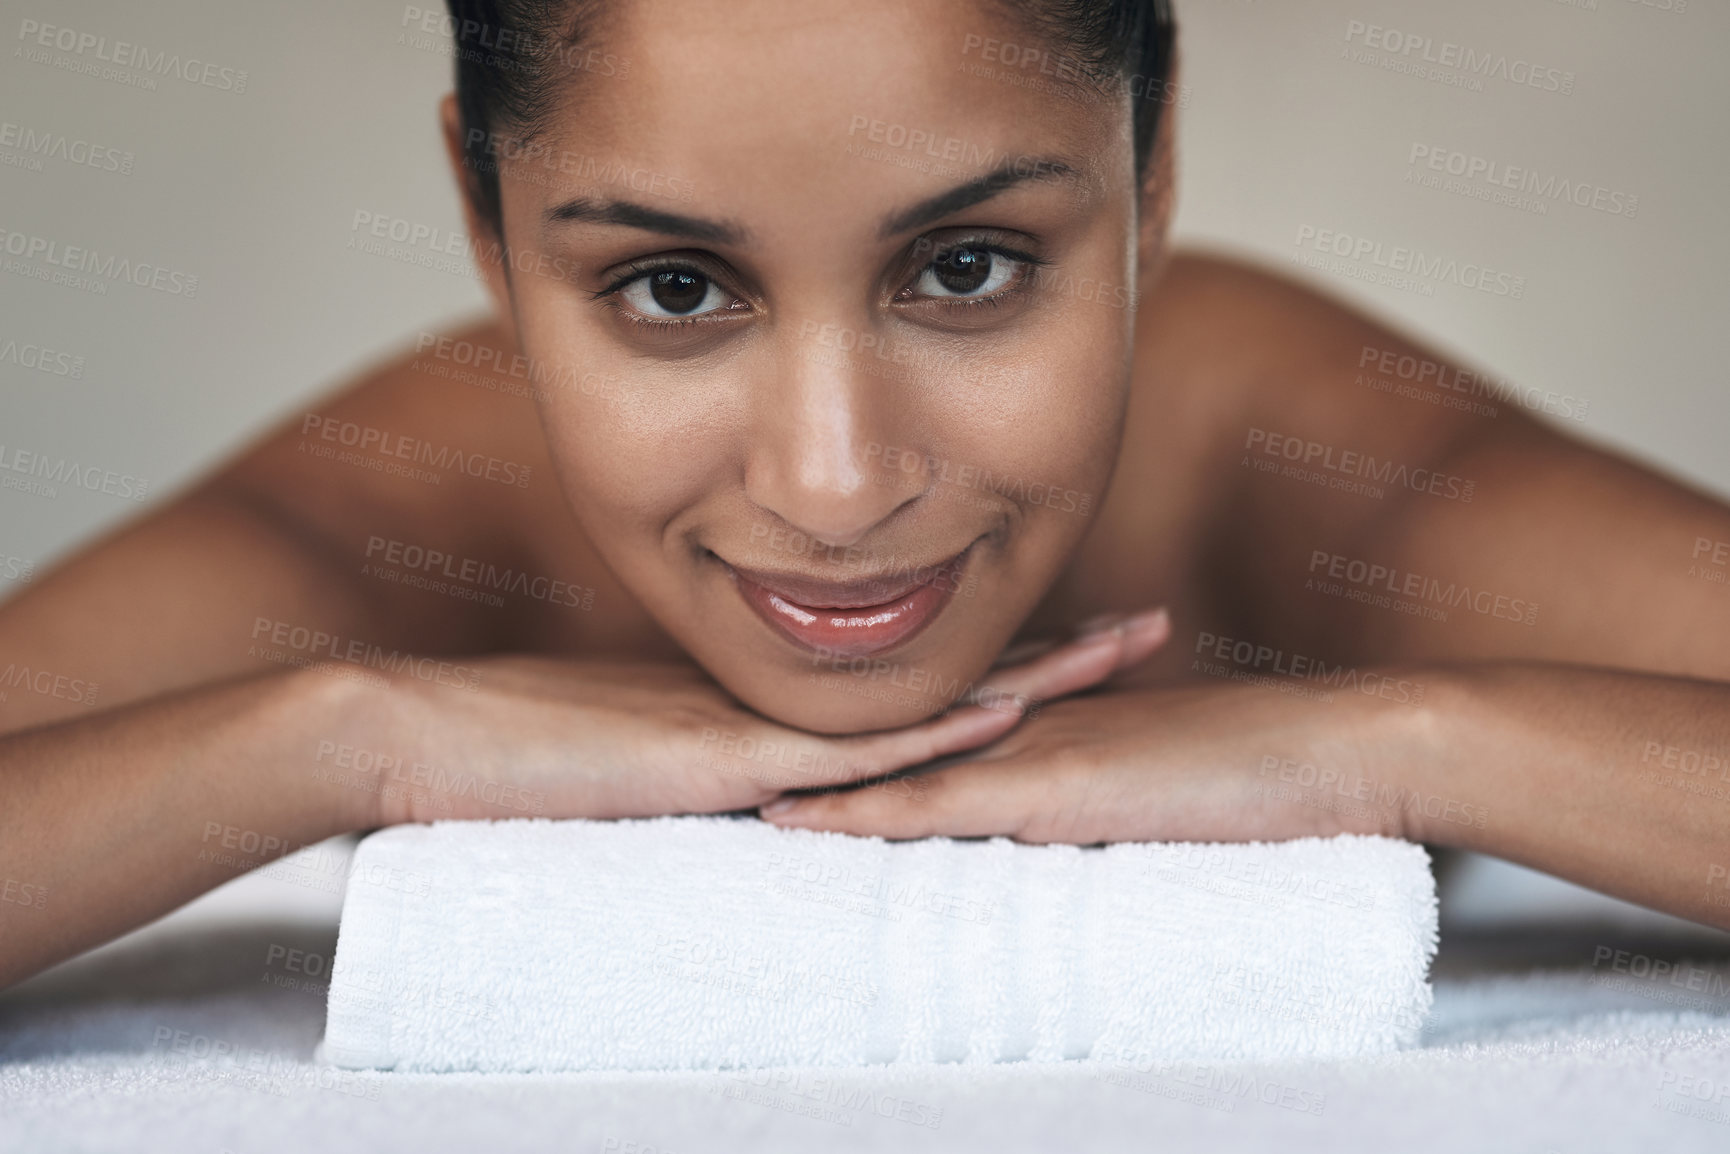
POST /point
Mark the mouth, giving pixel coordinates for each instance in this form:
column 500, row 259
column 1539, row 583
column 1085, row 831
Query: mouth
column 857, row 618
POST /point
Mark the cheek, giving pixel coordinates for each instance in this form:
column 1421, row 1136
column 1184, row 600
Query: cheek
column 1056, row 412
column 625, row 441
column 622, row 461
column 614, row 431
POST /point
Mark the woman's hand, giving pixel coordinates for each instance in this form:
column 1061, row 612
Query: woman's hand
column 561, row 738
column 1223, row 762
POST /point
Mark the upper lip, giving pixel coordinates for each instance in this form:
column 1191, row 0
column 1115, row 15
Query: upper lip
column 819, row 593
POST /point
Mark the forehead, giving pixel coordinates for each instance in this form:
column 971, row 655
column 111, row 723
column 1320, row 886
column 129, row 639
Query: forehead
column 783, row 97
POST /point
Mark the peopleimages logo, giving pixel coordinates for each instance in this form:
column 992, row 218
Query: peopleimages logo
column 384, row 443
column 938, row 145
column 46, row 471
column 1353, row 466
column 88, row 260
column 1430, row 379
column 318, row 645
column 1416, row 52
column 1398, row 583
column 123, row 54
column 1410, row 262
column 41, row 359
column 430, row 246
column 58, row 146
column 46, row 682
column 418, row 566
column 1248, row 659
column 588, row 170
column 501, row 48
column 1526, row 181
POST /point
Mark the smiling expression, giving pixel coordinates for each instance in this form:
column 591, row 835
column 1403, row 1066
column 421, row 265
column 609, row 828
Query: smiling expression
column 862, row 312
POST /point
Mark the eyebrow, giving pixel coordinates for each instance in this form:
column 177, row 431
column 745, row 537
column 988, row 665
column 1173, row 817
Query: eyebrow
column 1007, row 175
column 623, row 212
column 1011, row 173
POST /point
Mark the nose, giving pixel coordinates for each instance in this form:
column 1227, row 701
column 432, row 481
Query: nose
column 819, row 421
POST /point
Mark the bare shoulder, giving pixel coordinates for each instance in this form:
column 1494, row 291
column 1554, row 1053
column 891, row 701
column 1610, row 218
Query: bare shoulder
column 283, row 541
column 429, row 460
column 1246, row 360
column 1251, row 342
column 1311, row 440
column 1243, row 380
column 404, row 444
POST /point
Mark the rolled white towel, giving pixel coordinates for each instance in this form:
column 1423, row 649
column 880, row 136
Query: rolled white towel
column 718, row 942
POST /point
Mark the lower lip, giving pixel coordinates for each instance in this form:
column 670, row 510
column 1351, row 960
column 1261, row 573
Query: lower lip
column 859, row 632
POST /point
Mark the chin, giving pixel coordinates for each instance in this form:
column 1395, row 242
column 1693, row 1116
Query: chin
column 838, row 704
column 840, row 695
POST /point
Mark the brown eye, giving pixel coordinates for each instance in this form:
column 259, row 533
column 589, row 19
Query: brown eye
column 674, row 293
column 962, row 270
column 966, row 273
column 678, row 292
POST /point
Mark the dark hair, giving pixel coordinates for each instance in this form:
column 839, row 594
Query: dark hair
column 513, row 56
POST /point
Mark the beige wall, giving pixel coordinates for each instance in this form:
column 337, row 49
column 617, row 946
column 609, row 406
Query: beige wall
column 254, row 191
column 1286, row 127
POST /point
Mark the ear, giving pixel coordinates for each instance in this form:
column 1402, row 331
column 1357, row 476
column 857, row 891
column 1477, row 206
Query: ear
column 488, row 246
column 1159, row 190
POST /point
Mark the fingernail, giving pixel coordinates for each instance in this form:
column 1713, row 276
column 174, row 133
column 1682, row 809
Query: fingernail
column 1099, row 638
column 1025, row 651
column 1098, row 624
column 1148, row 618
column 777, row 807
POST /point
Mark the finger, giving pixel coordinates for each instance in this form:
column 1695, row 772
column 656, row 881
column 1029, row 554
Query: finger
column 997, row 707
column 770, row 759
column 872, row 755
column 1026, row 651
column 1114, row 643
column 965, row 800
column 1145, row 634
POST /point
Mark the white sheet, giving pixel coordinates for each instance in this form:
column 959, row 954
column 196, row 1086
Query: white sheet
column 1532, row 1063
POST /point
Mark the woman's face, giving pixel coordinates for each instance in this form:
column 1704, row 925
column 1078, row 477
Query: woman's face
column 836, row 308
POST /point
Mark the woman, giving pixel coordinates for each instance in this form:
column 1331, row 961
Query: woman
column 837, row 361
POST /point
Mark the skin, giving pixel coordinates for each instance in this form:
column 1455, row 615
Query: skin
column 771, row 437
column 220, row 741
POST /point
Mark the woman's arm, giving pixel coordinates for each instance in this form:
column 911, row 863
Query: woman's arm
column 109, row 821
column 164, row 726
column 145, row 746
column 1617, row 781
column 186, row 767
column 1613, row 780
